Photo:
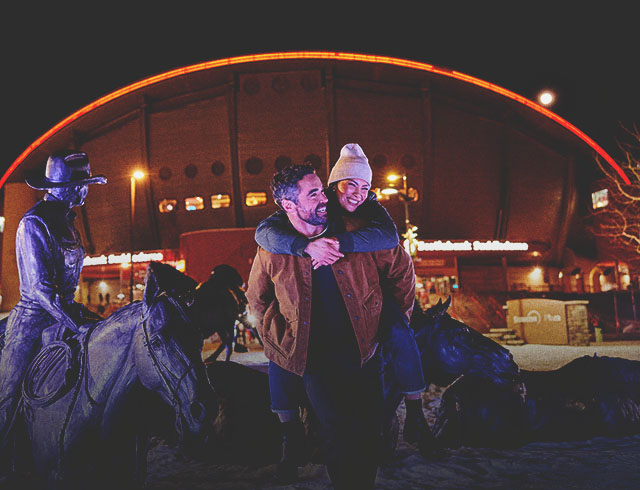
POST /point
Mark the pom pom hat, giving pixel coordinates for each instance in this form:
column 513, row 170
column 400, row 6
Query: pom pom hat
column 352, row 164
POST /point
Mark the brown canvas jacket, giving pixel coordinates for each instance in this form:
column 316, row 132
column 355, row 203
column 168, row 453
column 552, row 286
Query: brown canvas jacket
column 279, row 294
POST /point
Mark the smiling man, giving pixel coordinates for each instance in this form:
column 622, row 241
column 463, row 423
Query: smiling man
column 349, row 196
column 320, row 329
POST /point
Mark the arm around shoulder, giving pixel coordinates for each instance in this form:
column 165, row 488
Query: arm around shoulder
column 276, row 235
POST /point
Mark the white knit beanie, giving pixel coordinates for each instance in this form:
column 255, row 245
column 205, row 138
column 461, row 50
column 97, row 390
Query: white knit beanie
column 352, row 164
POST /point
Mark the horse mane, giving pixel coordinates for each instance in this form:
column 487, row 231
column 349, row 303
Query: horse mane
column 421, row 317
column 221, row 297
column 165, row 278
column 226, row 277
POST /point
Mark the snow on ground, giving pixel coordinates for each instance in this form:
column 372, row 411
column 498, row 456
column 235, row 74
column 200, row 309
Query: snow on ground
column 535, row 357
column 594, row 464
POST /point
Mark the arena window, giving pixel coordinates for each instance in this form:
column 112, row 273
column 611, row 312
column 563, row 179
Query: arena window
column 167, row 205
column 600, row 199
column 255, row 199
column 194, row 203
column 220, row 201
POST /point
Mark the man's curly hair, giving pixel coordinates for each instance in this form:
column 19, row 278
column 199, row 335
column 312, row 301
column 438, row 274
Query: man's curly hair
column 284, row 184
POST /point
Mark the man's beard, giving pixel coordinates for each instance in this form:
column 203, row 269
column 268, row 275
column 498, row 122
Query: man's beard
column 311, row 217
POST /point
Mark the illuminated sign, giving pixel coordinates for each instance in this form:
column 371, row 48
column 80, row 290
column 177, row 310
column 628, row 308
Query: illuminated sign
column 535, row 317
column 532, row 317
column 467, row 246
column 123, row 258
column 496, row 245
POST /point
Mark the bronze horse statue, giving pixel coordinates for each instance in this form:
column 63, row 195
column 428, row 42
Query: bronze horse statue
column 587, row 397
column 86, row 401
column 224, row 290
column 448, row 349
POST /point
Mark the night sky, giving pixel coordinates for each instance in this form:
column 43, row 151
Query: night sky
column 55, row 63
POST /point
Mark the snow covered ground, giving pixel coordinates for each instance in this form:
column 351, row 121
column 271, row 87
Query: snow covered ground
column 594, row 464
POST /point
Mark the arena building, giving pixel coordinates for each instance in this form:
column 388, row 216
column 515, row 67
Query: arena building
column 494, row 184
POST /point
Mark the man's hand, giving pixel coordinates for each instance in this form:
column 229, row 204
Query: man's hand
column 323, row 251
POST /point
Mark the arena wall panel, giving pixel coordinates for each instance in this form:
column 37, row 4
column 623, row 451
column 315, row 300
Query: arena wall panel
column 280, row 114
column 465, row 190
column 390, row 128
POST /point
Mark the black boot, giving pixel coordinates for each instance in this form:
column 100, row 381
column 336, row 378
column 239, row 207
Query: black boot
column 416, row 430
column 414, row 420
column 292, row 451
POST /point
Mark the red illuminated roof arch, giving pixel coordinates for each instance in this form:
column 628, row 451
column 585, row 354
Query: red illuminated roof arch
column 323, row 55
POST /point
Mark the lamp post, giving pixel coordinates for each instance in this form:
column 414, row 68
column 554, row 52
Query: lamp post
column 405, row 195
column 137, row 175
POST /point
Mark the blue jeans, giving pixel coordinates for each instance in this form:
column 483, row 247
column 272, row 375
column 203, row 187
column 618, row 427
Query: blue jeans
column 400, row 356
column 348, row 405
column 286, row 390
column 399, row 350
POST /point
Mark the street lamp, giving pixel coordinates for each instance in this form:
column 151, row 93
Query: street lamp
column 406, row 194
column 403, row 193
column 546, row 98
column 137, row 175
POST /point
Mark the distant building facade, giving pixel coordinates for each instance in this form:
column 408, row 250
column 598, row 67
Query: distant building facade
column 483, row 166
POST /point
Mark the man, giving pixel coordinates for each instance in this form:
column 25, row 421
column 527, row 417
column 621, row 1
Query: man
column 50, row 255
column 349, row 194
column 320, row 326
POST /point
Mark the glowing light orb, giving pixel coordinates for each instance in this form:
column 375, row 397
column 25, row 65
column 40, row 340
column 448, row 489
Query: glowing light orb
column 546, row 98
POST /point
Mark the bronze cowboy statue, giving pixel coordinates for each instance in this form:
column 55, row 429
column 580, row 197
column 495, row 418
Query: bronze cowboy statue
column 50, row 256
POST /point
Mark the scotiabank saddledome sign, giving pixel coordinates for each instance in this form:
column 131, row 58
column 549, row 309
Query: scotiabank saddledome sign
column 124, row 258
column 468, row 246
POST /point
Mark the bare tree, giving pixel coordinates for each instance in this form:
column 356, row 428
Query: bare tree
column 617, row 213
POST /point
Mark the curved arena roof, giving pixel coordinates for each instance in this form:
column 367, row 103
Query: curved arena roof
column 41, row 144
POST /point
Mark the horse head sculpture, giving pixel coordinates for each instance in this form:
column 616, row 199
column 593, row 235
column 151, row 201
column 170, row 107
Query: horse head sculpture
column 227, row 275
column 171, row 364
column 449, row 349
column 223, row 291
